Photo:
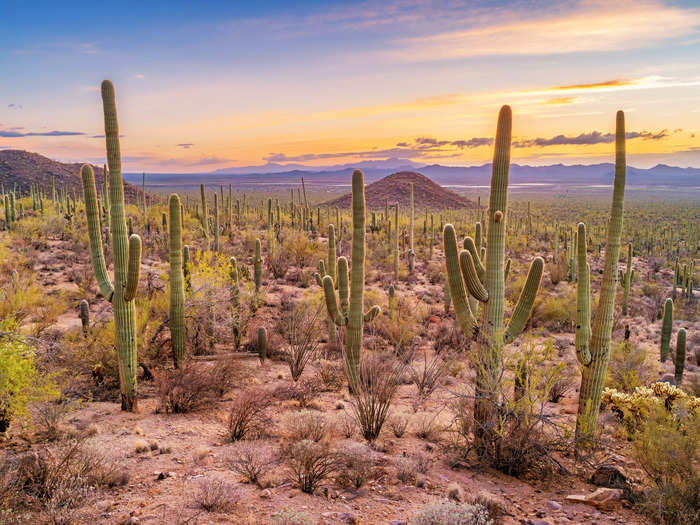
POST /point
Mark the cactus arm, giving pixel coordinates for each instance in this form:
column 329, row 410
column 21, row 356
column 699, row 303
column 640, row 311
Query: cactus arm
column 332, row 303
column 476, row 258
column 583, row 301
column 372, row 313
column 527, row 298
column 343, row 290
column 95, row 236
column 458, row 292
column 134, row 267
column 331, row 253
column 476, row 289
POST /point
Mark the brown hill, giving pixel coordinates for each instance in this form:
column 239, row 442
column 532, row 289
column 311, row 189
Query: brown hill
column 24, row 168
column 395, row 188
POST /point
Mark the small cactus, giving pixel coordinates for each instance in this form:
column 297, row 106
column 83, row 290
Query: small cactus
column 85, row 316
column 262, row 344
column 666, row 327
column 680, row 356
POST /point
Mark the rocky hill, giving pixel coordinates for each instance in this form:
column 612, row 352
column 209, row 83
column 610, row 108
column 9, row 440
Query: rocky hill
column 395, row 188
column 24, row 168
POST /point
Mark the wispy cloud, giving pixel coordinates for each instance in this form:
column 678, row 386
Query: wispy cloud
column 561, row 100
column 185, row 145
column 587, row 139
column 15, row 106
column 588, row 26
column 595, row 85
column 15, row 134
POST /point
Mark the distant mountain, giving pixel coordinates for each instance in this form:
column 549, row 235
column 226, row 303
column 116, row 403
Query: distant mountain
column 272, row 167
column 396, row 188
column 23, row 168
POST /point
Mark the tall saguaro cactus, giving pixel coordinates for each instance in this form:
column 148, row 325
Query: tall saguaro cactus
column 177, row 283
column 486, row 284
column 127, row 253
column 411, row 252
column 350, row 312
column 593, row 346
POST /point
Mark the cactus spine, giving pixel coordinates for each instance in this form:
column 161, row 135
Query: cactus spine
column 350, row 312
column 177, row 284
column 594, row 353
column 127, row 253
column 680, row 356
column 487, row 286
column 666, row 327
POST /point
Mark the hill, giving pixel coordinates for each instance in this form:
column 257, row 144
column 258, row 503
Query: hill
column 395, row 188
column 24, row 168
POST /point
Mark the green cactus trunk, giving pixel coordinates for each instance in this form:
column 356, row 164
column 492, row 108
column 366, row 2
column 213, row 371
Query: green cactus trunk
column 85, row 316
column 350, row 312
column 396, row 243
column 467, row 277
column 177, row 284
column 627, row 280
column 126, row 251
column 680, row 356
column 262, row 344
column 411, row 252
column 595, row 369
column 666, row 327
column 257, row 266
column 204, row 217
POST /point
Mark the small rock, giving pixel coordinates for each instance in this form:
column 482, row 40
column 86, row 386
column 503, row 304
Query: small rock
column 609, row 476
column 455, row 492
column 539, row 522
column 553, row 505
column 398, row 522
column 348, row 518
column 603, row 498
column 266, row 494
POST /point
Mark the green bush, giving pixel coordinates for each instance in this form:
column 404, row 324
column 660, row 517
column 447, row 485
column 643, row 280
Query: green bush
column 630, row 367
column 21, row 382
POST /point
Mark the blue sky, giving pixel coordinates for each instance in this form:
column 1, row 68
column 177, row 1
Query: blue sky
column 231, row 83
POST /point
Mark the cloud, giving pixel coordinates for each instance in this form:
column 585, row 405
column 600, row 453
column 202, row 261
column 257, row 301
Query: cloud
column 15, row 106
column 139, row 76
column 561, row 100
column 587, row 139
column 185, row 145
column 585, row 27
column 595, row 85
column 15, row 134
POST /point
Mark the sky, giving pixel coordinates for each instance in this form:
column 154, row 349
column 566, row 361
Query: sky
column 207, row 85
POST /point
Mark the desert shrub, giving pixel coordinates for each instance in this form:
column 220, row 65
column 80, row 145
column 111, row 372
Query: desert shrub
column 428, row 374
column 22, row 383
column 399, row 326
column 378, row 379
column 331, row 374
column 310, row 463
column 60, row 477
column 405, row 470
column 20, row 295
column 299, row 328
column 448, row 336
column 630, row 366
column 303, row 391
column 216, row 495
column 555, row 312
column 195, row 385
column 521, row 438
column 252, row 462
column 668, row 449
column 290, row 517
column 48, row 417
column 558, row 271
column 634, row 409
column 449, row 513
column 355, row 465
column 347, row 425
column 559, row 389
column 398, row 424
column 306, row 424
column 426, row 426
column 248, row 415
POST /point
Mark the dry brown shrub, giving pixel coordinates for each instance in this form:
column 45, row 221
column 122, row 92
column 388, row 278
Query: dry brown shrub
column 309, row 463
column 248, row 416
column 217, row 495
column 252, row 461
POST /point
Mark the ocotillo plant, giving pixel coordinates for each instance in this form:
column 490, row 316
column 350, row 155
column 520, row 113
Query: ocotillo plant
column 666, row 327
column 127, row 253
column 177, row 284
column 489, row 289
column 350, row 314
column 627, row 280
column 593, row 351
column 411, row 252
column 680, row 356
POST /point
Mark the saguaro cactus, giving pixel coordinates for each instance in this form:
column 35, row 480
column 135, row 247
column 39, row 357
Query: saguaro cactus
column 257, row 266
column 127, row 253
column 666, row 327
column 488, row 287
column 593, row 351
column 177, row 284
column 680, row 356
column 627, row 280
column 350, row 312
column 204, row 217
column 262, row 344
column 85, row 316
column 411, row 252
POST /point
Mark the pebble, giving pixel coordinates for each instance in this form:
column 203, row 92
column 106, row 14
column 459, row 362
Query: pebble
column 553, row 505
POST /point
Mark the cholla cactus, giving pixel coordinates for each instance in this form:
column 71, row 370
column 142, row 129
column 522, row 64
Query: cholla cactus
column 127, row 253
column 593, row 346
column 350, row 314
column 467, row 276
